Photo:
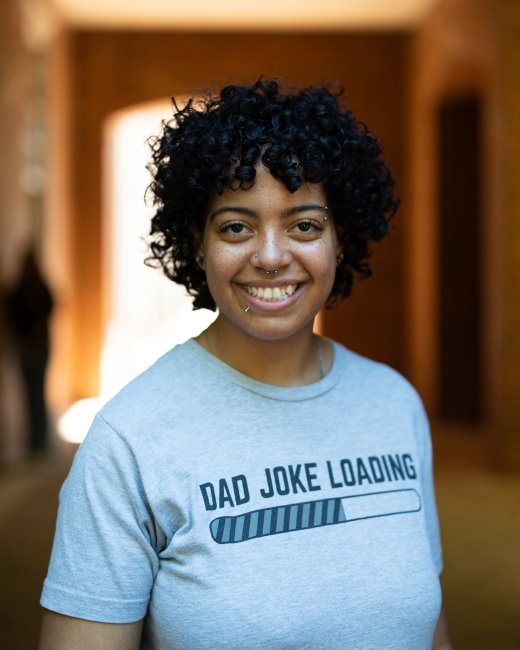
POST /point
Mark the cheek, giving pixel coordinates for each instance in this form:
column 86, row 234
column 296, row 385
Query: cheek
column 329, row 275
column 223, row 261
column 221, row 264
column 325, row 276
column 321, row 263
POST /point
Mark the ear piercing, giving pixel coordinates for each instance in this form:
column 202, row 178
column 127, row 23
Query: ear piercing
column 200, row 260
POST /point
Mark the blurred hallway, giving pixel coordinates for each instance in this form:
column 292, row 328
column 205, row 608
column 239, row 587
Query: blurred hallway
column 480, row 526
column 439, row 82
column 479, row 512
column 28, row 504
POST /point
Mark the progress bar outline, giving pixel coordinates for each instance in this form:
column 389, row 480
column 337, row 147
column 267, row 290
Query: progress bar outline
column 289, row 518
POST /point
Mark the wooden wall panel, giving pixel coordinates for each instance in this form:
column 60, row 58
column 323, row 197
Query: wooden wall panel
column 112, row 70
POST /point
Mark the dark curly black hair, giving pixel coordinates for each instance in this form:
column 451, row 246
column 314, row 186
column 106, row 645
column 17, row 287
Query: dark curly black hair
column 302, row 137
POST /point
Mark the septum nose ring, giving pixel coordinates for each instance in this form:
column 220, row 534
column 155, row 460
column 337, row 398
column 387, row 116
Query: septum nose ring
column 255, row 256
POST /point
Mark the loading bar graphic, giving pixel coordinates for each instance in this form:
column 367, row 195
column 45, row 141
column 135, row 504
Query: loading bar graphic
column 313, row 514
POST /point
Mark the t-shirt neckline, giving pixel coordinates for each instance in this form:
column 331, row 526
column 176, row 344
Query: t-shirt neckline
column 282, row 393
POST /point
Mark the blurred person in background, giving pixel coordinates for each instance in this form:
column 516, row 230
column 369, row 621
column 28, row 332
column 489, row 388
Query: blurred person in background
column 260, row 486
column 29, row 305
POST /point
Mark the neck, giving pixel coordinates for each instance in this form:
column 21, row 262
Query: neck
column 292, row 361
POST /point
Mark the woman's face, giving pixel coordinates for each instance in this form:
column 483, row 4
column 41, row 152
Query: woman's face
column 266, row 228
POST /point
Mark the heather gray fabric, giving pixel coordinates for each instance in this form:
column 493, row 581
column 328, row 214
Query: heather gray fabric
column 235, row 514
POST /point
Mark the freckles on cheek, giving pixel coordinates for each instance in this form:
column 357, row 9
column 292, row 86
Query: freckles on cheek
column 326, row 263
column 222, row 265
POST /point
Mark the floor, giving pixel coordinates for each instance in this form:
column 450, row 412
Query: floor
column 480, row 524
column 28, row 503
column 480, row 521
column 479, row 513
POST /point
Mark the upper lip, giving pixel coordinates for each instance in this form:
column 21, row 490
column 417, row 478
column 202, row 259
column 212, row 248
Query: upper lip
column 278, row 282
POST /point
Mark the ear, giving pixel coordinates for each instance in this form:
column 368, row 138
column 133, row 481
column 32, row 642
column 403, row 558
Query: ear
column 198, row 245
column 339, row 249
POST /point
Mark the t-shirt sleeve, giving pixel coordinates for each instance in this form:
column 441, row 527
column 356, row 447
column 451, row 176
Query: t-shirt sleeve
column 422, row 429
column 103, row 561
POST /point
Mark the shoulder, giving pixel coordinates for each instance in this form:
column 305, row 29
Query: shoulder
column 381, row 394
column 374, row 376
column 375, row 390
column 157, row 394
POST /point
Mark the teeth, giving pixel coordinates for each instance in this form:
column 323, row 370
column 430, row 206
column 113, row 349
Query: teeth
column 272, row 295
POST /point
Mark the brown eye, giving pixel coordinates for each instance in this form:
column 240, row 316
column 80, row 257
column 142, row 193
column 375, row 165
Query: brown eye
column 234, row 228
column 307, row 227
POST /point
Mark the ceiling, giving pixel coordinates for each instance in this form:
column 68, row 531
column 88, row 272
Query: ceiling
column 244, row 14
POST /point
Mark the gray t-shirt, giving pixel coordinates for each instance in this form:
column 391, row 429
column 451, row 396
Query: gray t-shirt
column 236, row 514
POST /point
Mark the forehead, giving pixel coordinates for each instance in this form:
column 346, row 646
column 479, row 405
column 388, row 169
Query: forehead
column 269, row 194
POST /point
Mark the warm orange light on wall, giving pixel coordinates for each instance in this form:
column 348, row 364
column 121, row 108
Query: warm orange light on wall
column 236, row 14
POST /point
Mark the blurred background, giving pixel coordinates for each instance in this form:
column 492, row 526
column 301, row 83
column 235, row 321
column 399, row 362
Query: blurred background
column 84, row 83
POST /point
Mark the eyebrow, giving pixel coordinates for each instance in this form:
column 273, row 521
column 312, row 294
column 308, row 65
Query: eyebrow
column 289, row 212
column 232, row 208
column 307, row 207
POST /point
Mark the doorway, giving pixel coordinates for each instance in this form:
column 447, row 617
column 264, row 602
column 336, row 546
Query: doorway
column 145, row 313
column 460, row 200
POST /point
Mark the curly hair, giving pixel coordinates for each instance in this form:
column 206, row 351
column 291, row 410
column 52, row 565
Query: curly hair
column 304, row 137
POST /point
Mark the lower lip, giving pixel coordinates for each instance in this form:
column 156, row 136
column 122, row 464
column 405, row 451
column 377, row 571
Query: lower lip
column 274, row 306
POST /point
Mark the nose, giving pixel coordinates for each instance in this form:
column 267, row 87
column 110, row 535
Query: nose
column 272, row 253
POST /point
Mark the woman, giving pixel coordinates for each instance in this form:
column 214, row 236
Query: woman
column 258, row 487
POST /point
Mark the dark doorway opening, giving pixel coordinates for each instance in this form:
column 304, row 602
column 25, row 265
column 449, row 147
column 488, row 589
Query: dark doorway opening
column 460, row 277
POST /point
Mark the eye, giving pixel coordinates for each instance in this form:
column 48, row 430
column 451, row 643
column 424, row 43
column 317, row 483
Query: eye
column 234, row 228
column 307, row 227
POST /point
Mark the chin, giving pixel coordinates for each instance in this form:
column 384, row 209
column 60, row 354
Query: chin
column 271, row 329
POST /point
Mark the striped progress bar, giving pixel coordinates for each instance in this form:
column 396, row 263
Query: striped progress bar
column 312, row 514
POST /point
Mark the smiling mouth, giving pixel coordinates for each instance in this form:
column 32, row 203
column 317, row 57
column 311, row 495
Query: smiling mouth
column 272, row 294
